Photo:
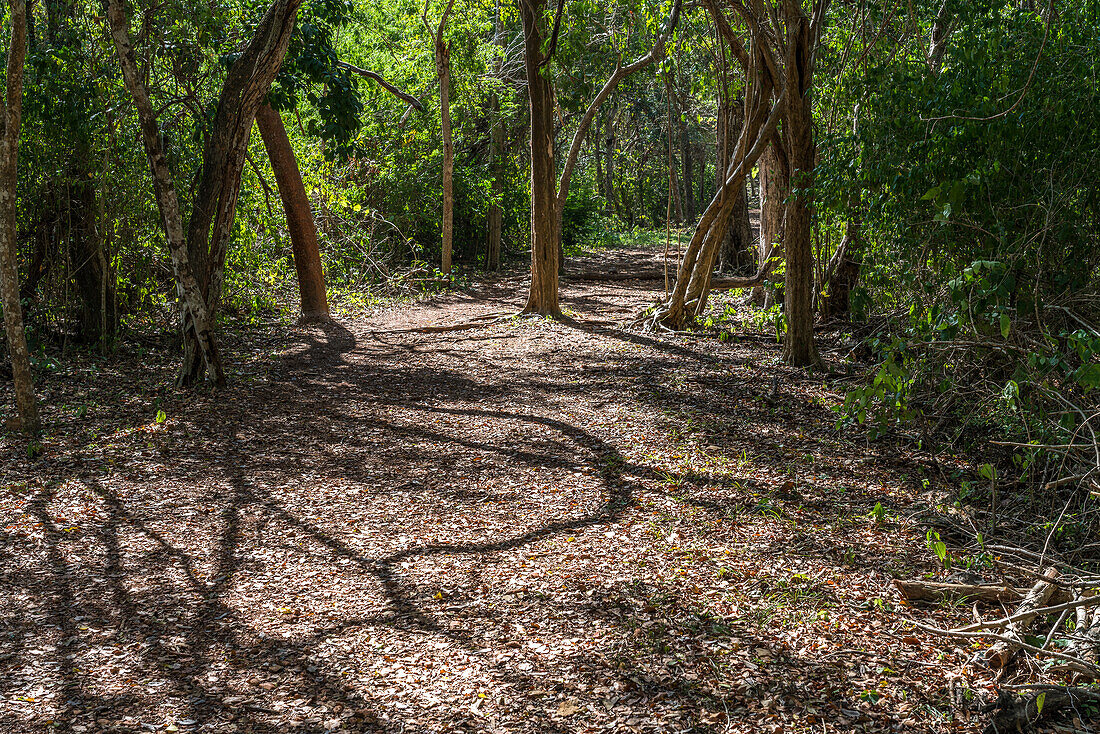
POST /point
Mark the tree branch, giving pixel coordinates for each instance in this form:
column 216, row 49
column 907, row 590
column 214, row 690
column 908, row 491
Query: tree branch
column 375, row 76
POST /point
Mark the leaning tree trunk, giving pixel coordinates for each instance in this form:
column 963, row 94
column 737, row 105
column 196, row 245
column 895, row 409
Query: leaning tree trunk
column 299, row 216
column 199, row 257
column 25, row 403
column 215, row 205
column 621, row 72
column 693, row 276
column 543, row 298
column 798, row 347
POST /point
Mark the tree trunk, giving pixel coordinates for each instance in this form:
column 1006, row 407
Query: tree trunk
column 494, row 219
column 693, row 275
column 842, row 273
column 88, row 260
column 735, row 251
column 543, row 298
column 164, row 190
column 75, row 192
column 26, row 405
column 496, row 215
column 620, row 73
column 199, row 258
column 774, row 185
column 299, row 216
column 688, row 177
column 215, row 205
column 443, row 66
column 609, row 165
column 798, row 347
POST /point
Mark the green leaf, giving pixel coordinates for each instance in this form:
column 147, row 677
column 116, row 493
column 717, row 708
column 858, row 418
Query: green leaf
column 1039, row 701
column 1089, row 376
column 1006, row 325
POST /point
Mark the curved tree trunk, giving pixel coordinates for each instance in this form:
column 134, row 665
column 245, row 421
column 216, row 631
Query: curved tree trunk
column 299, row 216
column 693, row 276
column 215, row 206
column 165, row 192
column 26, row 405
column 199, row 258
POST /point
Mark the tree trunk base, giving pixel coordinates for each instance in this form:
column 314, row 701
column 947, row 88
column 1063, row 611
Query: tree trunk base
column 315, row 317
column 664, row 318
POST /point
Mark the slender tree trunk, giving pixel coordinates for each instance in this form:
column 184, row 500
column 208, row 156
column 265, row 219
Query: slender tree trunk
column 299, row 216
column 494, row 219
column 688, row 177
column 774, row 187
column 609, row 165
column 842, row 272
column 26, row 405
column 199, row 257
column 165, row 192
column 442, row 51
column 496, row 215
column 735, row 251
column 443, row 64
column 88, row 260
column 798, row 348
column 543, row 298
column 620, row 73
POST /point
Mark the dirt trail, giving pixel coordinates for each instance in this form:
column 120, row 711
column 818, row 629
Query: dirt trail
column 528, row 527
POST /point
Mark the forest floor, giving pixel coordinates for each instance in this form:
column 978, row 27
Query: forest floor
column 531, row 526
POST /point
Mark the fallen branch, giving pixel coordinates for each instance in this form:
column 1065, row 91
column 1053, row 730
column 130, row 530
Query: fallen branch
column 1076, row 664
column 937, row 591
column 999, row 655
column 1080, row 604
column 1085, row 643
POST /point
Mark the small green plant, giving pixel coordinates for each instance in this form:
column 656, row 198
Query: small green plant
column 878, row 514
column 939, row 548
column 161, row 416
column 34, row 450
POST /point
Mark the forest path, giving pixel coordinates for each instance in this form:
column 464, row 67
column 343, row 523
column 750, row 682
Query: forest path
column 534, row 526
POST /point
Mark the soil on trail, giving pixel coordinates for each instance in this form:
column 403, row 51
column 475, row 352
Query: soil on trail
column 532, row 526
